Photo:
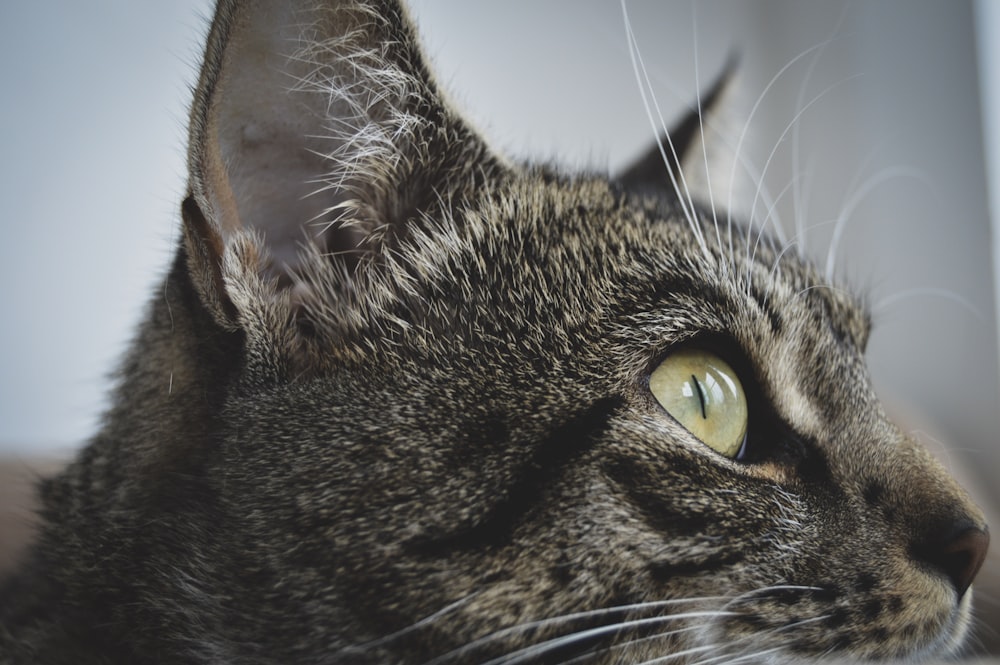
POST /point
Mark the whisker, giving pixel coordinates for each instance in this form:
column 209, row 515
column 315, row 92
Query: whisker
column 866, row 161
column 756, row 636
column 799, row 201
column 747, row 167
column 772, row 213
column 566, row 618
column 895, row 298
column 642, row 79
column 806, row 195
column 943, row 451
column 429, row 619
column 792, row 123
column 738, row 659
column 630, row 643
column 822, row 286
column 763, row 591
column 528, row 653
column 854, row 200
column 701, row 130
column 742, row 597
column 746, row 126
column 974, row 642
column 678, row 654
column 786, row 244
column 810, row 227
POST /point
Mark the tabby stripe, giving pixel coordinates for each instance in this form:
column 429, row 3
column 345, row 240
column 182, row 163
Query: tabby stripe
column 664, row 571
column 551, row 457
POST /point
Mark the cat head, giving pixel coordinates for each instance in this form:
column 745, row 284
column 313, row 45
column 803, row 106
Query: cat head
column 489, row 409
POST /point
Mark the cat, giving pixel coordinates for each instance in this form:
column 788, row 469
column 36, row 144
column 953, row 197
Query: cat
column 404, row 401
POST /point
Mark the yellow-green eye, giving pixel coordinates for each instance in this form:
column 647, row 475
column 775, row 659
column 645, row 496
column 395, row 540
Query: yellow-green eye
column 702, row 392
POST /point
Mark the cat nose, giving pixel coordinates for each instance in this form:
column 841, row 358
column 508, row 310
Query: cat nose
column 958, row 551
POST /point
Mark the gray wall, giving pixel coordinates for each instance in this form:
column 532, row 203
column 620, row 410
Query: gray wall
column 92, row 129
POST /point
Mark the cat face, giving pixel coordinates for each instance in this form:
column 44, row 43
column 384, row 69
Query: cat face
column 448, row 412
column 430, row 406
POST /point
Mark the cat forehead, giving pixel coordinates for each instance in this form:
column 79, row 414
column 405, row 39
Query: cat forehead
column 575, row 257
column 611, row 238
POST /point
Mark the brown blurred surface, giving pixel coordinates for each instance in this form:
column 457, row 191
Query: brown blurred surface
column 18, row 503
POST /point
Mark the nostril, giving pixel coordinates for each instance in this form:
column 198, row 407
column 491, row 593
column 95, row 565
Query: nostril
column 959, row 554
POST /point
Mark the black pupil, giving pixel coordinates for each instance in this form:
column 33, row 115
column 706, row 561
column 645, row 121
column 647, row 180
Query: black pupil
column 701, row 396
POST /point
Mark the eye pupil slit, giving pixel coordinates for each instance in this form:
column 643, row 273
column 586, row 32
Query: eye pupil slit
column 701, row 396
column 690, row 371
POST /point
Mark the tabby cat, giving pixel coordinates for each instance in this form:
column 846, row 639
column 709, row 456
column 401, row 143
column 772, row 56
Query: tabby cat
column 403, row 401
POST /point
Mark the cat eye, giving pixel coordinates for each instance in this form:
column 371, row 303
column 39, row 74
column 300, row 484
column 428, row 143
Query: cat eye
column 703, row 393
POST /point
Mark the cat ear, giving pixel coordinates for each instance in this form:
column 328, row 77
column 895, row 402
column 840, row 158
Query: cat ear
column 316, row 131
column 700, row 163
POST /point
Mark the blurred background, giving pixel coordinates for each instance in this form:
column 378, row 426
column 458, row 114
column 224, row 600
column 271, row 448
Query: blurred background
column 871, row 113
